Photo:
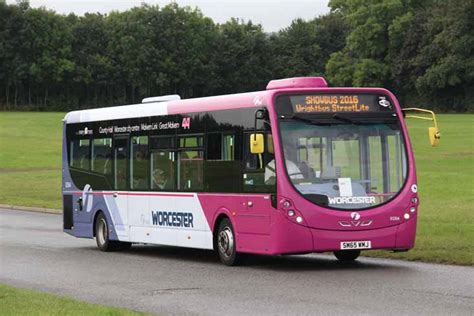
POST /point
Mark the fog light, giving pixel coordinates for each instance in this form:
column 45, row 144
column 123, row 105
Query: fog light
column 291, row 213
column 299, row 219
column 414, row 200
column 286, row 204
column 412, row 209
column 406, row 216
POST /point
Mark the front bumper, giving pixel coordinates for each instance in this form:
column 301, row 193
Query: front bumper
column 295, row 238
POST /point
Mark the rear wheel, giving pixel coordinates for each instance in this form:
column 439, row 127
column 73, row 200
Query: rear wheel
column 102, row 236
column 226, row 246
column 347, row 255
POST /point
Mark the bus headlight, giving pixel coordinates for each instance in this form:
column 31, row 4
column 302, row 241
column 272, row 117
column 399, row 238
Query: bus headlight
column 406, row 216
column 299, row 219
column 412, row 209
column 414, row 200
column 291, row 213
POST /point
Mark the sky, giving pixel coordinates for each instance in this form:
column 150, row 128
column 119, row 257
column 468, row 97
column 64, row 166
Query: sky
column 272, row 15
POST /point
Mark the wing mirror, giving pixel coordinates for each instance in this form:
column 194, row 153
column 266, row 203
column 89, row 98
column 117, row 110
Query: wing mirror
column 433, row 132
column 256, row 143
column 434, row 136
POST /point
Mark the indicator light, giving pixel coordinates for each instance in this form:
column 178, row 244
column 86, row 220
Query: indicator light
column 286, row 204
column 412, row 209
column 291, row 213
column 414, row 200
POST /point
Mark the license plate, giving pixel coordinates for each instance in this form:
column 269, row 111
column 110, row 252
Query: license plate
column 356, row 244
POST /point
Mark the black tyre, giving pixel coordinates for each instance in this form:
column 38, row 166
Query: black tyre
column 347, row 255
column 226, row 246
column 101, row 229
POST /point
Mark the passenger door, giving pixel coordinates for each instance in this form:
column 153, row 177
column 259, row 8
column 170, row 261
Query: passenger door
column 259, row 183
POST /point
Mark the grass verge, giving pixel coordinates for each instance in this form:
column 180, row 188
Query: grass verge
column 15, row 301
column 446, row 188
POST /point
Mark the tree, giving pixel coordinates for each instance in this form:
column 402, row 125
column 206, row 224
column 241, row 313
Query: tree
column 241, row 56
column 446, row 55
column 367, row 43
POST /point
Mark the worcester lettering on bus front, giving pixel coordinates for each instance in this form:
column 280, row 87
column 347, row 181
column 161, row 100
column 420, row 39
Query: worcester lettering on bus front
column 172, row 219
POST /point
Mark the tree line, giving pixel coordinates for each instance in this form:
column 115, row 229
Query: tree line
column 420, row 49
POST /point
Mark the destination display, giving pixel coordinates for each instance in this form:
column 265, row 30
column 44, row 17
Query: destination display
column 337, row 103
column 114, row 128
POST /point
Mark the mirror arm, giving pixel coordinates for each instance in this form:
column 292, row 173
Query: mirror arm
column 433, row 116
column 433, row 132
column 255, row 125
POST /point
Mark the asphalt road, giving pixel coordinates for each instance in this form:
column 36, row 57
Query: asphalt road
column 35, row 253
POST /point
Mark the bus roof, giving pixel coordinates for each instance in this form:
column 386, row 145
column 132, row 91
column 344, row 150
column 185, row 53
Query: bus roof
column 223, row 102
column 174, row 106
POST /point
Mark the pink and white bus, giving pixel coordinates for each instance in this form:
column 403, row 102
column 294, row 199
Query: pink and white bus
column 297, row 168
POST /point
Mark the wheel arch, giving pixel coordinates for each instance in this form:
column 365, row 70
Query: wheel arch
column 95, row 219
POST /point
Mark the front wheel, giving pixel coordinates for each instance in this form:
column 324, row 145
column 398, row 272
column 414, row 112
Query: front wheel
column 347, row 255
column 226, row 247
column 102, row 236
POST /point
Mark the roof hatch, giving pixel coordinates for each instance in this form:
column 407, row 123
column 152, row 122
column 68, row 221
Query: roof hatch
column 298, row 82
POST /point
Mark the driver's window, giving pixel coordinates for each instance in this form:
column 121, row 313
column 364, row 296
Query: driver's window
column 259, row 169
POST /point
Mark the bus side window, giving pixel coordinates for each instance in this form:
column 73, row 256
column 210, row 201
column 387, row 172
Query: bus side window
column 80, row 154
column 102, row 155
column 163, row 163
column 163, row 170
column 190, row 163
column 139, row 168
column 222, row 170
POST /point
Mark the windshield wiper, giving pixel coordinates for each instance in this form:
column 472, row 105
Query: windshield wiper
column 344, row 119
column 302, row 119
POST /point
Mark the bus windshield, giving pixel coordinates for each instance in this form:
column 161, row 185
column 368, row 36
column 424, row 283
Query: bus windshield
column 346, row 164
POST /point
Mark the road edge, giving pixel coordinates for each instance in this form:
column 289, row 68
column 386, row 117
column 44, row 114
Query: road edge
column 60, row 212
column 31, row 209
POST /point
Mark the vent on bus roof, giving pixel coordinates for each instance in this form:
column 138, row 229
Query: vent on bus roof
column 163, row 98
column 298, row 82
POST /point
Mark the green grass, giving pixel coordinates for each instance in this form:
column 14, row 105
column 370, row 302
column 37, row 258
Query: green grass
column 30, row 175
column 14, row 301
column 446, row 189
column 30, row 159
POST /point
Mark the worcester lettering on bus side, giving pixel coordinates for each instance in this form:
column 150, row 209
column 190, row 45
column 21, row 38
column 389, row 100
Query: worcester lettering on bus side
column 172, row 219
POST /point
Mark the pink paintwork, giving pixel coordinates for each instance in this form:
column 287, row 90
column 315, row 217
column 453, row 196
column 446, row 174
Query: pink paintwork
column 299, row 82
column 260, row 227
column 266, row 230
